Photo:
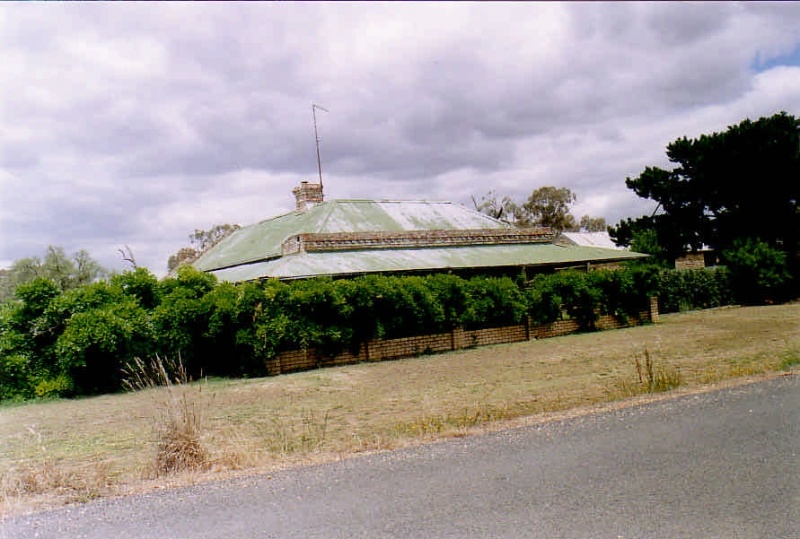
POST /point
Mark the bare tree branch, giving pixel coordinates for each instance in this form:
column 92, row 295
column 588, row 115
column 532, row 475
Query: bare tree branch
column 127, row 256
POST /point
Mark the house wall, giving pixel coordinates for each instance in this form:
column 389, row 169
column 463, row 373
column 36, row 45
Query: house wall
column 381, row 350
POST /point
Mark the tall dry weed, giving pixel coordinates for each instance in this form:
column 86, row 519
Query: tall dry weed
column 650, row 378
column 180, row 408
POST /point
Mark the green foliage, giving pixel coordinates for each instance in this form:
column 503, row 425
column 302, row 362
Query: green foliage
column 543, row 300
column 403, row 306
column 182, row 316
column 15, row 376
column 546, row 206
column 759, row 273
column 229, row 343
column 201, row 241
column 454, row 294
column 27, row 324
column 35, row 297
column 96, row 344
column 549, row 206
column 616, row 293
column 740, row 183
column 79, row 341
column 59, row 386
column 141, row 284
column 593, row 224
column 315, row 310
column 66, row 272
column 494, row 302
column 646, row 241
column 584, row 296
column 682, row 290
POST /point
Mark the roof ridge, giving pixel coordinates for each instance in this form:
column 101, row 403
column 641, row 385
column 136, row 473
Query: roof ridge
column 321, row 223
column 392, row 200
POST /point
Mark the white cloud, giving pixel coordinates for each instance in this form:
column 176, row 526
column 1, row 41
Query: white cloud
column 133, row 124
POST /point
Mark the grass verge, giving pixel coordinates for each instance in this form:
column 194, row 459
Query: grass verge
column 60, row 452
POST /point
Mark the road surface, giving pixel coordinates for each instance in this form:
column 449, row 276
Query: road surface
column 722, row 464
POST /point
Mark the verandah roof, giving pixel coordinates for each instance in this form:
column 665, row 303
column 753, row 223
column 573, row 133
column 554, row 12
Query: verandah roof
column 340, row 263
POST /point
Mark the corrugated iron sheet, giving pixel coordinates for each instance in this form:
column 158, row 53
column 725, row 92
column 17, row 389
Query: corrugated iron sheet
column 254, row 252
column 263, row 240
column 424, row 259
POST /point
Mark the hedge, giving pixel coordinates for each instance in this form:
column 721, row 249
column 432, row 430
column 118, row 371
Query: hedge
column 80, row 341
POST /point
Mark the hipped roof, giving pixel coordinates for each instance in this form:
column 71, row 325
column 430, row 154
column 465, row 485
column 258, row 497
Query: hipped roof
column 255, row 252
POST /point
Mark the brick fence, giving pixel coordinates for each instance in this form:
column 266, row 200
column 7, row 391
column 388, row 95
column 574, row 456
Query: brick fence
column 380, row 350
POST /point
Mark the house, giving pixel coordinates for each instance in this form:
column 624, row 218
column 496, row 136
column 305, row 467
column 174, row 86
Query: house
column 341, row 238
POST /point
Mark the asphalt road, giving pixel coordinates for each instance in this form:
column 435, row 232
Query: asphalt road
column 716, row 465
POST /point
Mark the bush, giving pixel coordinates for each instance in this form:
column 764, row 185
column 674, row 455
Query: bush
column 494, row 302
column 543, row 300
column 181, row 317
column 389, row 307
column 571, row 293
column 97, row 344
column 317, row 313
column 230, row 343
column 758, row 273
column 681, row 290
column 140, row 284
column 15, row 377
column 454, row 296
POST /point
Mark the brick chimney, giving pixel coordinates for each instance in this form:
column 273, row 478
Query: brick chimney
column 307, row 195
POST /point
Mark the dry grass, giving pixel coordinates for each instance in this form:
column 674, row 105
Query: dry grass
column 179, row 413
column 105, row 445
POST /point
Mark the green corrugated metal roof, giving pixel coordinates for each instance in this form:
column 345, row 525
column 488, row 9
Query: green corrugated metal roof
column 392, row 260
column 262, row 241
column 254, row 252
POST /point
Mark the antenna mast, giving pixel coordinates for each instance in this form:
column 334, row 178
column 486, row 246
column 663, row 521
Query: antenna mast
column 316, row 137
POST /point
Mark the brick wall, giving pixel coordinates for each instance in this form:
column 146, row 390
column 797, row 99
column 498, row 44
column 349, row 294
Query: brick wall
column 347, row 241
column 380, row 350
column 690, row 261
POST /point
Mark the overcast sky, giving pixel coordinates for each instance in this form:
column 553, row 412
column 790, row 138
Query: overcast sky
column 133, row 124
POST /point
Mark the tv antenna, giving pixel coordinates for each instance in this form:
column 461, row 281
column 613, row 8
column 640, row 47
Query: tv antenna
column 316, row 137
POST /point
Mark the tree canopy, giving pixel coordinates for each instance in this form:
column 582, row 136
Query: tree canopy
column 200, row 242
column 741, row 183
column 65, row 271
column 546, row 206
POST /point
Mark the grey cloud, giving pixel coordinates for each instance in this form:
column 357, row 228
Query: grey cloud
column 206, row 90
column 684, row 25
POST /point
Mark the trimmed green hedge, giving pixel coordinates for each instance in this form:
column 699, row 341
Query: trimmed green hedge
column 80, row 341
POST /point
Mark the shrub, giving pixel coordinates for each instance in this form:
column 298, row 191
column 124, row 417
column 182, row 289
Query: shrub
column 181, row 317
column 15, row 377
column 317, row 312
column 230, row 343
column 758, row 273
column 452, row 293
column 543, row 300
column 580, row 300
column 141, row 284
column 97, row 343
column 494, row 302
column 681, row 290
